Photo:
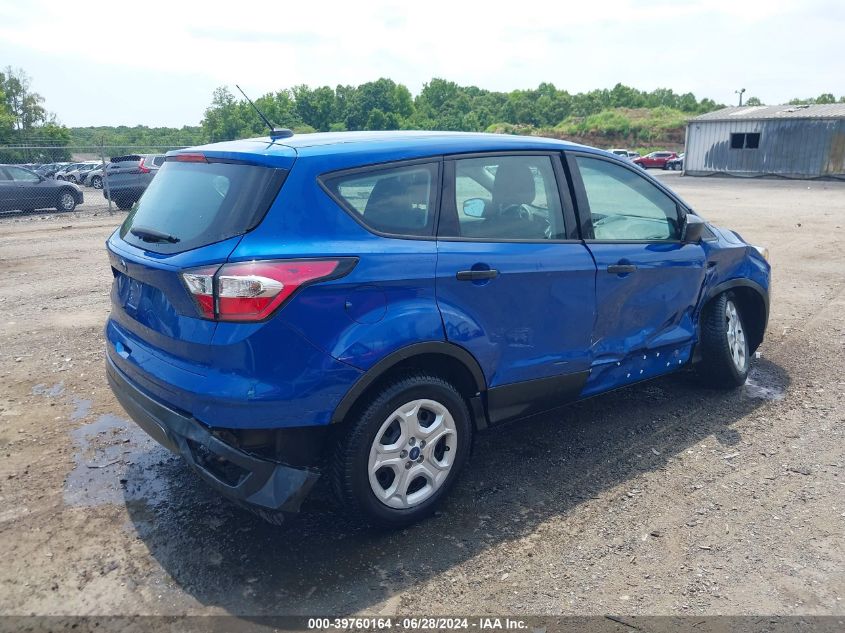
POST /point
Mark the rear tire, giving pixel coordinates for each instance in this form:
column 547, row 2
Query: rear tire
column 97, row 182
column 124, row 205
column 403, row 452
column 725, row 356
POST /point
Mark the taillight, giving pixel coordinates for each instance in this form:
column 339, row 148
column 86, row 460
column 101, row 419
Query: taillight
column 188, row 158
column 200, row 283
column 252, row 291
column 142, row 168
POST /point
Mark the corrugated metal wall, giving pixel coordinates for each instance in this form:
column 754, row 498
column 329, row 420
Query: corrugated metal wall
column 797, row 148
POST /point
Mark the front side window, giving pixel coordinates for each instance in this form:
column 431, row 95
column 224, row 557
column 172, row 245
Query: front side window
column 504, row 198
column 397, row 200
column 625, row 206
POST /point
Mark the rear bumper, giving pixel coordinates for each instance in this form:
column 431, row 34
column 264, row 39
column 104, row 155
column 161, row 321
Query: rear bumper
column 128, row 192
column 256, row 483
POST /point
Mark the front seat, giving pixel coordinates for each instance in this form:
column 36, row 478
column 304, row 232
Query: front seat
column 513, row 187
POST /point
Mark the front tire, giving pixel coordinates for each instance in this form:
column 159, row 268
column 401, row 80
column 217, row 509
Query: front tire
column 97, row 182
column 402, row 452
column 66, row 202
column 725, row 355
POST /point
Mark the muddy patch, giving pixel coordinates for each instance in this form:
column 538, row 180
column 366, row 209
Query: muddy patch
column 81, row 408
column 105, row 449
column 49, row 392
column 755, row 387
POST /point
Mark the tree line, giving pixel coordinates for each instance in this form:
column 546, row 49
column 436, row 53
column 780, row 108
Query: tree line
column 441, row 104
column 823, row 99
column 26, row 126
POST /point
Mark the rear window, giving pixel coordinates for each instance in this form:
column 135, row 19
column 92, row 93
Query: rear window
column 131, row 158
column 196, row 204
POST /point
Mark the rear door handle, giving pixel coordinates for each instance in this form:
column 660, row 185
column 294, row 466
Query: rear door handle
column 621, row 269
column 474, row 275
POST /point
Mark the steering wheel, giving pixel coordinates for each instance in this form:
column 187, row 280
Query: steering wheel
column 516, row 211
column 523, row 213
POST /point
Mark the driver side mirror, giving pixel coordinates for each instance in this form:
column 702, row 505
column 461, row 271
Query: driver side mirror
column 693, row 230
column 474, row 207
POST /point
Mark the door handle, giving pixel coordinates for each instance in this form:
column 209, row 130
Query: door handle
column 475, row 275
column 621, row 269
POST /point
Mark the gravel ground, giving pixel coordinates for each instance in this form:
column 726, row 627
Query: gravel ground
column 663, row 498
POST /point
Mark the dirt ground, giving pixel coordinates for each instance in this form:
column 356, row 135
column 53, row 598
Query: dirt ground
column 662, row 498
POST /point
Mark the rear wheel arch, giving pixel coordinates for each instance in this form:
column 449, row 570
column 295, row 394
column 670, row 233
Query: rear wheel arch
column 444, row 360
column 753, row 303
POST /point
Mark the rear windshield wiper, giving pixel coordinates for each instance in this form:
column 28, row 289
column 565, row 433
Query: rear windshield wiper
column 151, row 235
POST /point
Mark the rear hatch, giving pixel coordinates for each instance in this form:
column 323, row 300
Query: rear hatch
column 125, row 171
column 191, row 216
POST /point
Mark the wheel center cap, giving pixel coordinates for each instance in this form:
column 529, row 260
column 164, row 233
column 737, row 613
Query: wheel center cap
column 414, row 453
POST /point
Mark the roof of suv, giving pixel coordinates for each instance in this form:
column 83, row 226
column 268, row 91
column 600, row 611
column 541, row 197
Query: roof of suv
column 404, row 144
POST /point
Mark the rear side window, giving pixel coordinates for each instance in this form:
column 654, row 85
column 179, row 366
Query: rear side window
column 397, row 200
column 189, row 205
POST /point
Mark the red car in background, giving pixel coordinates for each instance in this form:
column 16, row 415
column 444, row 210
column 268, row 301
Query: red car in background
column 655, row 159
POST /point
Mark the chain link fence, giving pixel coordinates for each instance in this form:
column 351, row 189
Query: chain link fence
column 36, row 177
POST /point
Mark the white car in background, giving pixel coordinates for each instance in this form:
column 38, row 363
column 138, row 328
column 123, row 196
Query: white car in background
column 78, row 173
column 624, row 153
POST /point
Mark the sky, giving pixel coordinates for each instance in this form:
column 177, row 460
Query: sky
column 157, row 63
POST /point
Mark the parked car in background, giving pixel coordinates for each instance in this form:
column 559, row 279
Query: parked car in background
column 94, row 178
column 654, row 160
column 24, row 190
column 49, row 170
column 77, row 174
column 357, row 305
column 625, row 153
column 64, row 172
column 675, row 164
column 129, row 176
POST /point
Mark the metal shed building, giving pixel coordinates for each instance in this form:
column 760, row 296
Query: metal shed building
column 787, row 141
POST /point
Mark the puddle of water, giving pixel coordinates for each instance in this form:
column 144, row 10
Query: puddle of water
column 43, row 390
column 754, row 389
column 106, row 449
column 81, row 408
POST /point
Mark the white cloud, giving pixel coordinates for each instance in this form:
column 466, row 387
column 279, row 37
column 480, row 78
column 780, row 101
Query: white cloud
column 265, row 46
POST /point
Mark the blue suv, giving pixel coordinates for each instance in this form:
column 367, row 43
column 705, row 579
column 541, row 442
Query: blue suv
column 355, row 306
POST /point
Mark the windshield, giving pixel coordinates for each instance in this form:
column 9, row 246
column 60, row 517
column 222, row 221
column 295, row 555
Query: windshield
column 197, row 203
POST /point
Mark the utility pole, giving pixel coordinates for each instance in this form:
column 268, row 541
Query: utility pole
column 739, row 92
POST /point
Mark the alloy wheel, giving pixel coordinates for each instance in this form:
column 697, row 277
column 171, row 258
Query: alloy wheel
column 736, row 336
column 67, row 202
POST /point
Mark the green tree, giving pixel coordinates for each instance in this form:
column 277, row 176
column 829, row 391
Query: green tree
column 315, row 107
column 222, row 120
column 753, row 101
column 24, row 121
